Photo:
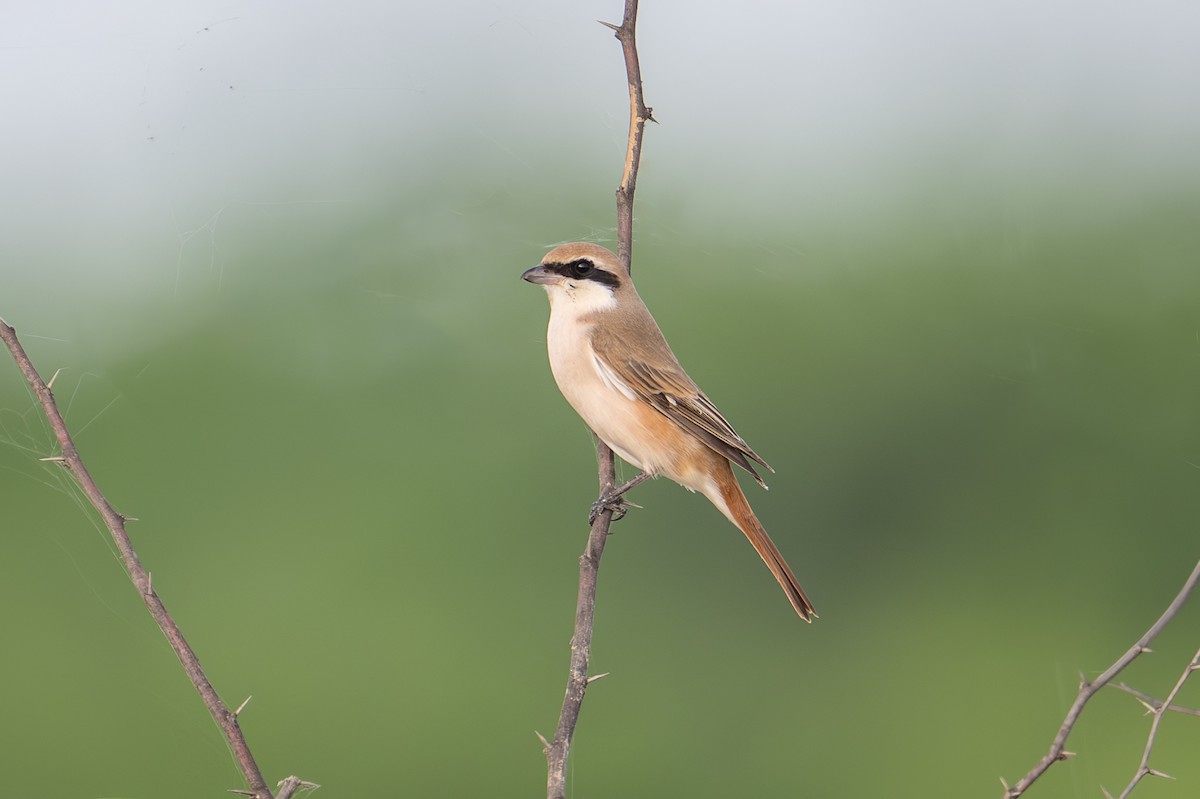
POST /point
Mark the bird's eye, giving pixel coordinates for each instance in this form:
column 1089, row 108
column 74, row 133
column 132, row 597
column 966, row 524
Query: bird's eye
column 582, row 268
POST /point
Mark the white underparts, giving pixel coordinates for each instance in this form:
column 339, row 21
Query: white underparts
column 608, row 406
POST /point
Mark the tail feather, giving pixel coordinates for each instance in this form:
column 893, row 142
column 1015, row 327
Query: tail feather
column 734, row 505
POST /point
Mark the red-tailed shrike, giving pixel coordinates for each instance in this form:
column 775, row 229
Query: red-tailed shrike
column 613, row 365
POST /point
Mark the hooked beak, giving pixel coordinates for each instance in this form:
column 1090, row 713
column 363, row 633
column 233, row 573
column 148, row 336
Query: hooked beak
column 539, row 274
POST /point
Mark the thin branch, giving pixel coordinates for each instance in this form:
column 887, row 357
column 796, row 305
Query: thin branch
column 115, row 522
column 558, row 750
column 581, row 642
column 639, row 115
column 1144, row 769
column 1151, row 704
column 1088, row 690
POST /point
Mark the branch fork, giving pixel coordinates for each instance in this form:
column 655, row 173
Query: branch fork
column 1089, row 689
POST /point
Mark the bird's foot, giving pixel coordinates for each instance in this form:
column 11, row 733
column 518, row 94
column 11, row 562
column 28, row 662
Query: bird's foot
column 615, row 501
column 611, row 502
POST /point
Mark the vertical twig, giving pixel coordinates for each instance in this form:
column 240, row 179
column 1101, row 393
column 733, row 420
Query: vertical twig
column 115, row 522
column 558, row 750
column 1088, row 690
column 639, row 115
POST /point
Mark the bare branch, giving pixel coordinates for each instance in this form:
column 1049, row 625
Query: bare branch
column 1088, row 690
column 558, row 750
column 1144, row 769
column 581, row 642
column 115, row 522
column 1151, row 704
column 639, row 114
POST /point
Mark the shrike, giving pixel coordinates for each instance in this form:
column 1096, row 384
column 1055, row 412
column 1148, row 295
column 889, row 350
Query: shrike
column 614, row 367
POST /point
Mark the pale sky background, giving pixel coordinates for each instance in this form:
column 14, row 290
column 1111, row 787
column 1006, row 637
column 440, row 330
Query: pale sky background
column 135, row 131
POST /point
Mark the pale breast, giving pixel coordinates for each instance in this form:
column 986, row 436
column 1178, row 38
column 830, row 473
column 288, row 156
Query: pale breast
column 615, row 416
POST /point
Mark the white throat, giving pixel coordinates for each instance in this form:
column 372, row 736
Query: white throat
column 576, row 298
column 572, row 304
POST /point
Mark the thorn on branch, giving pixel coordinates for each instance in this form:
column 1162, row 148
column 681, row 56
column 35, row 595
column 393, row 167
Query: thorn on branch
column 1155, row 773
column 242, row 706
column 595, row 677
column 609, row 25
column 290, row 785
column 542, row 738
column 1153, row 704
column 54, row 459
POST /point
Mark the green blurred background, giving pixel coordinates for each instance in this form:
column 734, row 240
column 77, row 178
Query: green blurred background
column 938, row 264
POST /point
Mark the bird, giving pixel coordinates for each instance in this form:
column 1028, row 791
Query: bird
column 615, row 368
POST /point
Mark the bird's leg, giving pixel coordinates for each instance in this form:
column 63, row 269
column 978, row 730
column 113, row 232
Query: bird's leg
column 614, row 501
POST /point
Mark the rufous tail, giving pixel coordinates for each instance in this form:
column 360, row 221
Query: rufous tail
column 737, row 509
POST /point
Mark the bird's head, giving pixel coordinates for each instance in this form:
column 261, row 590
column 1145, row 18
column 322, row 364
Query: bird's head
column 585, row 276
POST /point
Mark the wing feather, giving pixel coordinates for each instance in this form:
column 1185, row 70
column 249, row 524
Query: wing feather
column 669, row 390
